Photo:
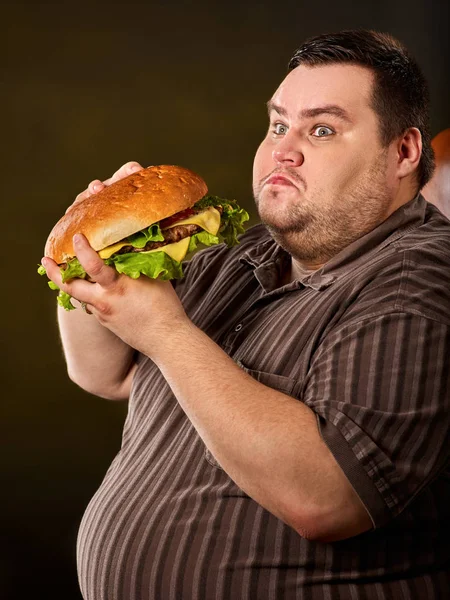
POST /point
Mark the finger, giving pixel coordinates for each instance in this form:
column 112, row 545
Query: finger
column 92, row 263
column 54, row 273
column 86, row 309
column 125, row 170
column 93, row 188
column 96, row 185
column 53, row 270
column 82, row 196
column 77, row 288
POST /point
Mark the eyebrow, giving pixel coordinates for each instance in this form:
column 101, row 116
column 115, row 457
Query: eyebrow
column 309, row 113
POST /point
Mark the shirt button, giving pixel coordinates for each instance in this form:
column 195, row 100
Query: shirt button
column 238, row 327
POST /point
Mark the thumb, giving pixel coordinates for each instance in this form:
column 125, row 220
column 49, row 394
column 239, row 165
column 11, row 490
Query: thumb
column 92, row 263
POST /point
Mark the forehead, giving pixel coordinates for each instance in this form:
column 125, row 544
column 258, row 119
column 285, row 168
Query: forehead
column 348, row 86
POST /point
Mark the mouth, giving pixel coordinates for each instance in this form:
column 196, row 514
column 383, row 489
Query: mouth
column 279, row 180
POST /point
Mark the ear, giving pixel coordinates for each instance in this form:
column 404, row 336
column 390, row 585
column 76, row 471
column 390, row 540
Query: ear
column 409, row 151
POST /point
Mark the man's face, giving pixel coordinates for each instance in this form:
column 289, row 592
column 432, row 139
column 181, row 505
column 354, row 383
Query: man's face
column 323, row 138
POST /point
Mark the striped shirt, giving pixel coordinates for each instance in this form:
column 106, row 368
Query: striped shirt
column 365, row 343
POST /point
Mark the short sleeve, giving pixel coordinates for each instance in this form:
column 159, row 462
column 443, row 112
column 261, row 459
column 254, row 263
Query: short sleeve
column 381, row 390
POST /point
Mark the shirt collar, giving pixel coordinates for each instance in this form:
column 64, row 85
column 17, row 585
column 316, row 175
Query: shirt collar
column 268, row 258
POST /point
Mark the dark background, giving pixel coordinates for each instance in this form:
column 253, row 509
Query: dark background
column 86, row 88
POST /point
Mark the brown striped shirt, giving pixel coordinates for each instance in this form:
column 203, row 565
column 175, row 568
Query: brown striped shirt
column 365, row 343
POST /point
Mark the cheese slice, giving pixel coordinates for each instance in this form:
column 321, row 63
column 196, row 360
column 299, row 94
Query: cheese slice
column 209, row 220
column 109, row 250
column 177, row 251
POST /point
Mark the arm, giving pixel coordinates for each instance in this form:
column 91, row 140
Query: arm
column 97, row 360
column 275, row 453
column 389, row 430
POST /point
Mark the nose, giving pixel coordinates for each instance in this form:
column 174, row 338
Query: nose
column 287, row 156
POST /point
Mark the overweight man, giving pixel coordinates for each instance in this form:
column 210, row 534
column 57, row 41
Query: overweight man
column 287, row 434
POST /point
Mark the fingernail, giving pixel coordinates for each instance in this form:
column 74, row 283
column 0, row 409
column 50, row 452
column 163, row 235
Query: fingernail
column 77, row 239
column 97, row 187
column 44, row 262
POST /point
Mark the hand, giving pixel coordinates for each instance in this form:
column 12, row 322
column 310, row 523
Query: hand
column 97, row 186
column 143, row 312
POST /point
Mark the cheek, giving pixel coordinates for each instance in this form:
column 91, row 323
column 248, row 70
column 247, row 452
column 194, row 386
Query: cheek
column 349, row 173
column 261, row 163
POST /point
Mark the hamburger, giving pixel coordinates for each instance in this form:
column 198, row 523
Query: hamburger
column 145, row 224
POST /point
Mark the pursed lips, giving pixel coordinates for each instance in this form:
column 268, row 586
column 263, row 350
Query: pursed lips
column 279, row 180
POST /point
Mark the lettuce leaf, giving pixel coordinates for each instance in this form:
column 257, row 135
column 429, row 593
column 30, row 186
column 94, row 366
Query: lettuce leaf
column 152, row 264
column 202, row 237
column 141, row 238
column 233, row 218
column 63, row 298
column 73, row 270
column 133, row 264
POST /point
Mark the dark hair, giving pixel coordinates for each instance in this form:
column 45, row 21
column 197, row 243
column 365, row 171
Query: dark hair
column 400, row 96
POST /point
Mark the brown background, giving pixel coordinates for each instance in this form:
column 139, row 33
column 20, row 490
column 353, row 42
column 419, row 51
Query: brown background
column 86, row 88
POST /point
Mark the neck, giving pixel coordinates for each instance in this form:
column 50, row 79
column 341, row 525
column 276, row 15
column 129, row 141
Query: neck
column 297, row 270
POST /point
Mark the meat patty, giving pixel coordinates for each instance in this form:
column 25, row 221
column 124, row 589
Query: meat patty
column 172, row 235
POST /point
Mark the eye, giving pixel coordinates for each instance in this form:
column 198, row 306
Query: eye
column 279, row 129
column 322, row 131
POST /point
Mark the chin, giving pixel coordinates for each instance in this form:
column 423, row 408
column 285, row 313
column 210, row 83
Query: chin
column 274, row 210
column 286, row 219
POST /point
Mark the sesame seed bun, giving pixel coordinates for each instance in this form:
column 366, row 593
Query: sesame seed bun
column 125, row 207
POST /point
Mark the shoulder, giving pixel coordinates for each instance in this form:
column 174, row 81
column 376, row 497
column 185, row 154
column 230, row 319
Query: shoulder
column 411, row 275
column 432, row 237
column 424, row 283
column 426, row 256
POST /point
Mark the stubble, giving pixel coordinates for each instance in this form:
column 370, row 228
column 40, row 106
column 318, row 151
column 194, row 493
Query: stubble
column 316, row 230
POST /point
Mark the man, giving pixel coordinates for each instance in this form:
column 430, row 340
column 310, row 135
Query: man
column 287, row 434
